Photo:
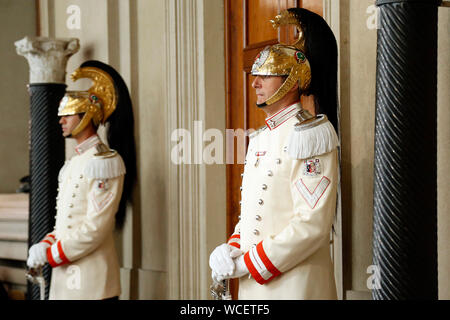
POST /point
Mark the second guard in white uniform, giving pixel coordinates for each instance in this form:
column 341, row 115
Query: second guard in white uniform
column 91, row 191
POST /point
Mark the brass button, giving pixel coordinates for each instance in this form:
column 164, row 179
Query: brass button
column 76, row 185
column 240, row 203
column 278, row 161
column 81, row 176
column 260, row 201
column 269, row 173
column 71, row 205
column 258, row 217
column 69, row 216
column 264, row 186
column 73, row 195
column 69, row 227
column 255, row 232
column 240, row 188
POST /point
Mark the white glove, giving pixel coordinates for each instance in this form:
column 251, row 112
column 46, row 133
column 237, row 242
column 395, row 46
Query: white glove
column 37, row 255
column 240, row 270
column 221, row 259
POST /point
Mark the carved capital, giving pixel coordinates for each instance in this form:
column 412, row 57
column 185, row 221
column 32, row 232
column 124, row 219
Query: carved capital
column 47, row 57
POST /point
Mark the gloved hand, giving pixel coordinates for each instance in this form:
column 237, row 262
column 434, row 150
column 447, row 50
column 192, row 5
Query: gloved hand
column 220, row 260
column 240, row 270
column 37, row 255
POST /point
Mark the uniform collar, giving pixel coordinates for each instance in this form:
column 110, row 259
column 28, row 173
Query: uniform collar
column 282, row 116
column 87, row 144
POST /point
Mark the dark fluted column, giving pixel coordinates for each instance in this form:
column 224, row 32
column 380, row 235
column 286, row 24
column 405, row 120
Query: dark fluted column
column 405, row 190
column 47, row 59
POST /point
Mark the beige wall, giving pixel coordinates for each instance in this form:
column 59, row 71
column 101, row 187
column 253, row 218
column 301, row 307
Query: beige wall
column 444, row 153
column 357, row 97
column 17, row 19
column 150, row 69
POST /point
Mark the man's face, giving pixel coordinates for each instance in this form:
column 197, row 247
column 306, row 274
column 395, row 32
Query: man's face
column 266, row 86
column 68, row 123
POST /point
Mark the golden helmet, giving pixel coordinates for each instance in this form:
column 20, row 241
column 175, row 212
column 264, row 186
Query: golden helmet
column 284, row 60
column 97, row 103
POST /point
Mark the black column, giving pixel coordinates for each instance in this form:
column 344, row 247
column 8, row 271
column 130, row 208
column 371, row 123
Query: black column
column 46, row 158
column 405, row 190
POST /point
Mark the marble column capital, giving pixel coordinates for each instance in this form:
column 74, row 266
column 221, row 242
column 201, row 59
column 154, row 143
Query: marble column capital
column 47, row 57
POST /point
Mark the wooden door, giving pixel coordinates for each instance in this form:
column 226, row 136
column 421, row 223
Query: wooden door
column 248, row 31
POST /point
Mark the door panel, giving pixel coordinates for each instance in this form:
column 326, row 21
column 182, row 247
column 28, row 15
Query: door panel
column 257, row 28
column 248, row 31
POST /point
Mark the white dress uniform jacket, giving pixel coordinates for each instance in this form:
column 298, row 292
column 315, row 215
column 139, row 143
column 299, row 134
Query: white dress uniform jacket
column 287, row 212
column 82, row 251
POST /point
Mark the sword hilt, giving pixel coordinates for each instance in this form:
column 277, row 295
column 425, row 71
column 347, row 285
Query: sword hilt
column 220, row 290
column 35, row 276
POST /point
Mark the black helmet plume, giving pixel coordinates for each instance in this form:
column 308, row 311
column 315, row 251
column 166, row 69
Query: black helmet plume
column 322, row 53
column 120, row 134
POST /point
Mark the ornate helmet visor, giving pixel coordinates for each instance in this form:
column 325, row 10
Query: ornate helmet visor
column 97, row 103
column 284, row 60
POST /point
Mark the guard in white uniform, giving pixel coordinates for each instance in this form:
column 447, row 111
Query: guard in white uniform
column 280, row 248
column 81, row 247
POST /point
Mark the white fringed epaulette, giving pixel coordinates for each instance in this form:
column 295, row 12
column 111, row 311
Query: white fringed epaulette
column 312, row 138
column 105, row 165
